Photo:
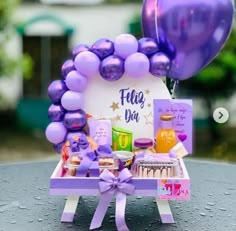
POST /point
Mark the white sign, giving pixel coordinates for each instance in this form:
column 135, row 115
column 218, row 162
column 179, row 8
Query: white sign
column 127, row 102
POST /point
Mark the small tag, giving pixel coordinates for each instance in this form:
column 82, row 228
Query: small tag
column 179, row 151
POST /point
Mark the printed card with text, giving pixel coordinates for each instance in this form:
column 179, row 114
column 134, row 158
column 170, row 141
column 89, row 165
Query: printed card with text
column 182, row 121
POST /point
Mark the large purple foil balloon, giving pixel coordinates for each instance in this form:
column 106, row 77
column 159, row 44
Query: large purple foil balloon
column 190, row 32
column 159, row 65
column 56, row 89
column 75, row 120
column 67, row 67
column 56, row 113
column 103, row 48
column 112, row 68
column 56, row 132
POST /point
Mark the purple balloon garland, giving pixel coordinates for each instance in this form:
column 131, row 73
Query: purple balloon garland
column 110, row 60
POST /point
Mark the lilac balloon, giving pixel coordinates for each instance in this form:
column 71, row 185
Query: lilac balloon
column 125, row 45
column 190, row 32
column 72, row 100
column 80, row 48
column 137, row 65
column 103, row 48
column 147, row 46
column 75, row 120
column 58, row 147
column 67, row 67
column 74, row 134
column 159, row 65
column 56, row 113
column 112, row 68
column 56, row 132
column 87, row 63
column 76, row 82
column 56, row 89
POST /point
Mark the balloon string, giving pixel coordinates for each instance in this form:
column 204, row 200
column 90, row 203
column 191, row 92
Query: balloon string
column 174, row 88
column 156, row 25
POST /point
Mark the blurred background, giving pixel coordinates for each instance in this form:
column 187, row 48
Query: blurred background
column 36, row 36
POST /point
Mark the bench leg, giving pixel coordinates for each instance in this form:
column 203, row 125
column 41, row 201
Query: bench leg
column 165, row 212
column 70, row 208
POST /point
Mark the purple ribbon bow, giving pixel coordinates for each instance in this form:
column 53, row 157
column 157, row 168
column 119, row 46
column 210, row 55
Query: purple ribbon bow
column 110, row 185
column 90, row 160
column 76, row 145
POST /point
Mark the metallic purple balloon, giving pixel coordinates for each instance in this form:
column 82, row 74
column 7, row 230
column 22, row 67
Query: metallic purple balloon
column 159, row 65
column 103, row 48
column 58, row 147
column 79, row 48
column 67, row 67
column 112, row 68
column 56, row 90
column 75, row 120
column 191, row 33
column 148, row 46
column 56, row 113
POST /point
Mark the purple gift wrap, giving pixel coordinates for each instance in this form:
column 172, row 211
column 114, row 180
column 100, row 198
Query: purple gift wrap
column 182, row 122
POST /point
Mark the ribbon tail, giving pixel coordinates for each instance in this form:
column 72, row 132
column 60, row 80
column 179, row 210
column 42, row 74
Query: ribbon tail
column 101, row 210
column 120, row 212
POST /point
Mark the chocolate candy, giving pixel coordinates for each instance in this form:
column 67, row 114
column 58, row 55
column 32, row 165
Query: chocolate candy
column 121, row 139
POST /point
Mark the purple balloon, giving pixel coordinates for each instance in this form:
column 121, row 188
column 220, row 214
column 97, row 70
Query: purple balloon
column 87, row 63
column 56, row 132
column 75, row 120
column 56, row 89
column 137, row 65
column 103, row 48
column 72, row 100
column 58, row 147
column 56, row 113
column 112, row 68
column 125, row 45
column 67, row 67
column 190, row 32
column 76, row 82
column 159, row 64
column 80, row 48
column 147, row 46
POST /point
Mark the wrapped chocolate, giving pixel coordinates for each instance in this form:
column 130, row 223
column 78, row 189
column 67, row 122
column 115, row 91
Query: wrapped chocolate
column 155, row 166
column 121, row 139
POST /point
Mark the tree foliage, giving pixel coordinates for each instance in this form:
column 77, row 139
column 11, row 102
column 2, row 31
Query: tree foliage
column 8, row 63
